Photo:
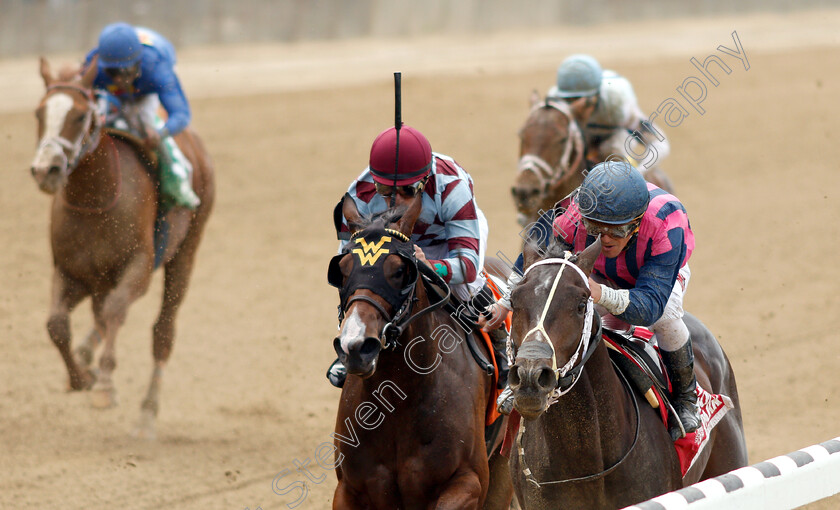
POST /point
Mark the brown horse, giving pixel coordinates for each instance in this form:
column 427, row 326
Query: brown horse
column 410, row 430
column 551, row 158
column 102, row 233
column 599, row 445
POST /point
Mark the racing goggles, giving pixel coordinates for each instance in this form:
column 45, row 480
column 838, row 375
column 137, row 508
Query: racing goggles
column 121, row 72
column 408, row 190
column 595, row 228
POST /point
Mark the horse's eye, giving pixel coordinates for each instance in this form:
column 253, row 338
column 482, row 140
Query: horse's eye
column 581, row 307
column 79, row 119
column 400, row 272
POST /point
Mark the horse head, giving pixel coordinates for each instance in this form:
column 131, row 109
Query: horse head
column 68, row 125
column 376, row 275
column 550, row 152
column 553, row 322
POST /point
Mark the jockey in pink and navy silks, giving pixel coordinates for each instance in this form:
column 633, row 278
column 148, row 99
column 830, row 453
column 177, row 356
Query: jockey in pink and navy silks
column 641, row 275
column 136, row 70
column 450, row 235
column 650, row 264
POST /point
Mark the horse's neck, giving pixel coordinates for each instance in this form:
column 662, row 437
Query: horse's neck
column 94, row 183
column 593, row 412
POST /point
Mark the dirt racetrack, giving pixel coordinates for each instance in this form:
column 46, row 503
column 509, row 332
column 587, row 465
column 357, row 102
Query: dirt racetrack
column 244, row 396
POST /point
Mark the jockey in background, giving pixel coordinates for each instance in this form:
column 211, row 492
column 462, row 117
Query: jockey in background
column 135, row 78
column 642, row 273
column 606, row 107
column 450, row 234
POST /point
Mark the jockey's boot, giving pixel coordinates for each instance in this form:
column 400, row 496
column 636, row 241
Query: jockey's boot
column 175, row 177
column 337, row 374
column 680, row 366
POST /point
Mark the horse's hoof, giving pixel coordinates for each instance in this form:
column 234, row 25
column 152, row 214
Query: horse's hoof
column 83, row 381
column 103, row 398
column 145, row 428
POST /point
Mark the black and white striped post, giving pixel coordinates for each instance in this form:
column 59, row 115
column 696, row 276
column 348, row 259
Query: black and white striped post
column 783, row 482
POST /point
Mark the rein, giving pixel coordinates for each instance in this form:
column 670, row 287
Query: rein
column 546, row 173
column 588, row 478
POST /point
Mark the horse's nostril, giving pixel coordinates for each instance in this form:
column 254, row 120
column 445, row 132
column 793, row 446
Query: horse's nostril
column 54, row 169
column 514, row 377
column 337, row 346
column 546, row 379
column 369, row 346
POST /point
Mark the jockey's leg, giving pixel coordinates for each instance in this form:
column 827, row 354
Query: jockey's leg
column 678, row 357
column 175, row 169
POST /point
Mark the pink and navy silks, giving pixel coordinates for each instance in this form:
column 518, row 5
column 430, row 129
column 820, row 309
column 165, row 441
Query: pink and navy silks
column 449, row 216
column 649, row 266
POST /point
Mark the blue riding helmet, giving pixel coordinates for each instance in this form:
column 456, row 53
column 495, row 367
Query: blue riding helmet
column 613, row 192
column 119, row 46
column 578, row 76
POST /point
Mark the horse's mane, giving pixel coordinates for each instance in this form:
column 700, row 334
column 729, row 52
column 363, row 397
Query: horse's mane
column 380, row 220
column 557, row 248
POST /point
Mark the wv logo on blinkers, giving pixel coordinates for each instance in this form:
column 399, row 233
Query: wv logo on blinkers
column 371, row 251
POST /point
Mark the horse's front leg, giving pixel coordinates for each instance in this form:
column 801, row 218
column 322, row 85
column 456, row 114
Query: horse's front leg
column 463, row 492
column 66, row 294
column 132, row 284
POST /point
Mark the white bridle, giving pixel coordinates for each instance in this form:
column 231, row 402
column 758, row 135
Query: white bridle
column 583, row 345
column 73, row 150
column 545, row 172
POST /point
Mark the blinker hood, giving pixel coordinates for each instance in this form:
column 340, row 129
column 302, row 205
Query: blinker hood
column 369, row 249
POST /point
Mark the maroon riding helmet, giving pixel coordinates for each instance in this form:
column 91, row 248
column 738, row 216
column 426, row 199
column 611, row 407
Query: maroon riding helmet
column 415, row 156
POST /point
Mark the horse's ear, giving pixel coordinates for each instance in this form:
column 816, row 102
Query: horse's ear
column 409, row 217
column 586, row 258
column 89, row 74
column 351, row 213
column 531, row 252
column 535, row 98
column 46, row 74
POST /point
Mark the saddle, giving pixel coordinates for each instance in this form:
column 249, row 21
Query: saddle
column 633, row 353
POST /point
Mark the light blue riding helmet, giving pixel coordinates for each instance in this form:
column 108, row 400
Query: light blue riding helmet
column 119, row 46
column 578, row 76
column 613, row 192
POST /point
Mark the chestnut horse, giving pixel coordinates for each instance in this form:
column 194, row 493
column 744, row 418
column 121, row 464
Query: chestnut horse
column 600, row 445
column 102, row 233
column 410, row 430
column 551, row 158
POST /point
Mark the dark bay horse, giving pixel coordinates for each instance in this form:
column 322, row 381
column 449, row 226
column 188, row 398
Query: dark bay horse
column 600, row 445
column 410, row 430
column 102, row 233
column 551, row 158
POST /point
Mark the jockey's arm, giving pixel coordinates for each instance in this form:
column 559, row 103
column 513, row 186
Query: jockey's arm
column 173, row 100
column 647, row 299
column 461, row 224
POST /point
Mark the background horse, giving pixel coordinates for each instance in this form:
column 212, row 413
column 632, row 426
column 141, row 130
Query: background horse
column 102, row 233
column 551, row 158
column 410, row 430
column 600, row 445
